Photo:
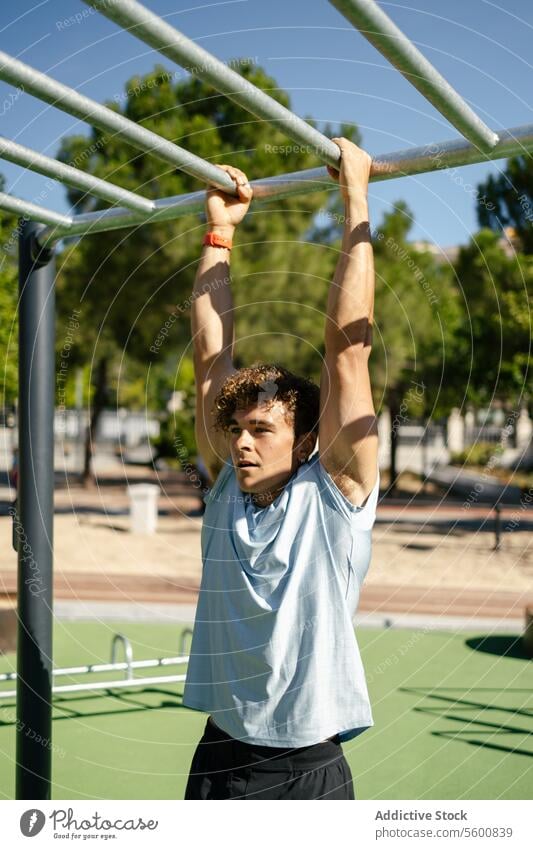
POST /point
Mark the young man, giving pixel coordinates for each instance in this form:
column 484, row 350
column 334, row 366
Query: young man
column 286, row 532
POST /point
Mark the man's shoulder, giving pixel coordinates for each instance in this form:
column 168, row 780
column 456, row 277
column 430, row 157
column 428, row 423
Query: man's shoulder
column 338, row 490
column 222, row 479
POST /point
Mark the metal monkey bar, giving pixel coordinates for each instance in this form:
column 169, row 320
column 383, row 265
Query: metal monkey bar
column 377, row 27
column 28, row 158
column 62, row 97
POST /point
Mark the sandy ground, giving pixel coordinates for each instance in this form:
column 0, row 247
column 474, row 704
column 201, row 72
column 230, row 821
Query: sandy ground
column 418, row 540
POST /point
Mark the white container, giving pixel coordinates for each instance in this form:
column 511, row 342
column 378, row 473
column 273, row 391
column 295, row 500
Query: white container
column 143, row 508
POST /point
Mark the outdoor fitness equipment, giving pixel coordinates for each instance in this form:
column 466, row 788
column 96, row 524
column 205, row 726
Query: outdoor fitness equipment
column 40, row 229
column 127, row 665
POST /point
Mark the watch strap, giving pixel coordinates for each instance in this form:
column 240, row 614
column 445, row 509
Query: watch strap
column 216, row 241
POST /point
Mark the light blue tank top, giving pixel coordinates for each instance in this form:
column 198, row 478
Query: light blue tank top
column 274, row 657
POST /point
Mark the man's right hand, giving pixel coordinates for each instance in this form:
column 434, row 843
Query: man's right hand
column 225, row 211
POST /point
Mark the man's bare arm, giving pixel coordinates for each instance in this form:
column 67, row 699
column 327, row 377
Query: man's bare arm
column 348, row 441
column 212, row 318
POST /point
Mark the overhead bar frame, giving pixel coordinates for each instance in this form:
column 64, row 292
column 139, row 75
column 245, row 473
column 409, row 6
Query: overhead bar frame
column 170, row 42
column 32, row 211
column 402, row 163
column 382, row 32
column 62, row 97
column 28, row 158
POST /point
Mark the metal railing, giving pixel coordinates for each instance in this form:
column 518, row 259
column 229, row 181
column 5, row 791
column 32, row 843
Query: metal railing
column 127, row 666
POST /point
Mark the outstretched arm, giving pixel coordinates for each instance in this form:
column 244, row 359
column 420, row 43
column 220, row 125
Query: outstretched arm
column 348, row 441
column 212, row 317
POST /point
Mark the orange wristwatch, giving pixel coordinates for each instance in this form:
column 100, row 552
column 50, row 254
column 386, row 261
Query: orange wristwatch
column 217, row 241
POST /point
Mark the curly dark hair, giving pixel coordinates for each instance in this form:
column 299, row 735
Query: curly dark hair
column 269, row 382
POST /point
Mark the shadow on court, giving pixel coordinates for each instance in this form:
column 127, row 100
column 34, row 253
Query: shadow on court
column 119, row 703
column 466, row 708
column 502, row 645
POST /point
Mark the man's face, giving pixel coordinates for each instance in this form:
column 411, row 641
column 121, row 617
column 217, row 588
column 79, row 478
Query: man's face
column 262, row 437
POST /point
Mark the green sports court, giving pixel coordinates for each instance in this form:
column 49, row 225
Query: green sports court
column 453, row 718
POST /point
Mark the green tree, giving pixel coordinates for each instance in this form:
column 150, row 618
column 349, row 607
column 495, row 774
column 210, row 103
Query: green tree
column 415, row 310
column 507, row 200
column 491, row 351
column 8, row 307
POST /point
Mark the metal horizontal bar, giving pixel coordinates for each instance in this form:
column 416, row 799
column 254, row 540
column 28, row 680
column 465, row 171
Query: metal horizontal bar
column 108, row 667
column 377, row 27
column 173, row 44
column 106, row 685
column 30, row 210
column 402, row 163
column 28, row 158
column 61, row 96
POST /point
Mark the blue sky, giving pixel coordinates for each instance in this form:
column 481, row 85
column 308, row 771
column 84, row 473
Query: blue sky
column 331, row 72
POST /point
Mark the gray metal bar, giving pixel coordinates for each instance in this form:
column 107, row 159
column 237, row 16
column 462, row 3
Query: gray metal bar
column 103, row 685
column 169, row 41
column 35, row 521
column 128, row 652
column 62, row 97
column 402, row 163
column 185, row 635
column 28, row 158
column 377, row 27
column 32, row 212
column 92, row 668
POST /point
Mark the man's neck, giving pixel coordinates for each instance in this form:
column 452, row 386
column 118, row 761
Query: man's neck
column 263, row 499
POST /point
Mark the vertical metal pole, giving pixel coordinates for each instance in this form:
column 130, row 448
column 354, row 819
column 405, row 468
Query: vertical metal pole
column 497, row 526
column 35, row 515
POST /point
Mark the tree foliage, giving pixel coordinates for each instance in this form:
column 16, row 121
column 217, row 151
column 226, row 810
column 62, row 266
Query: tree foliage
column 8, row 308
column 492, row 344
column 507, row 200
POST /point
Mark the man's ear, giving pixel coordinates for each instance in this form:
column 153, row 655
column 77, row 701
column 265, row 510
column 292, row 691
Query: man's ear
column 306, row 444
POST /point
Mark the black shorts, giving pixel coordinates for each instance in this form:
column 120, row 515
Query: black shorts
column 224, row 768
